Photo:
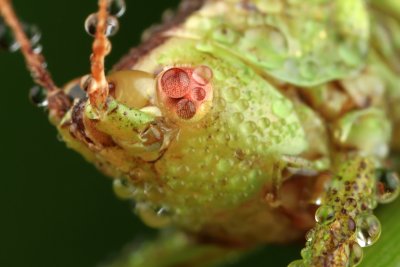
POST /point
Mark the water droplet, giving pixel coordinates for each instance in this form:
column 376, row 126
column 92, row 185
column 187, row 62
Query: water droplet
column 388, row 186
column 9, row 43
column 310, row 235
column 164, row 212
column 298, row 263
column 281, row 108
column 243, row 104
column 325, row 214
column 38, row 96
column 117, row 8
column 33, row 33
column 368, row 229
column 154, row 216
column 7, row 40
column 90, row 24
column 306, row 253
column 371, row 203
column 248, row 127
column 231, row 94
column 356, row 254
column 236, row 118
column 202, row 75
column 278, row 41
column 60, row 138
column 152, row 138
column 123, row 189
column 85, row 82
column 112, row 26
column 265, row 123
column 37, row 49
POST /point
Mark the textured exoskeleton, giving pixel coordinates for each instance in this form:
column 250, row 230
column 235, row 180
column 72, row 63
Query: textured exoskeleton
column 236, row 121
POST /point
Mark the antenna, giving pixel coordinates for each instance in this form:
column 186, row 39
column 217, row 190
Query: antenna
column 58, row 102
column 98, row 88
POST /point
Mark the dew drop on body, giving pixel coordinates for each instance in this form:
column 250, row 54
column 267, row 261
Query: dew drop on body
column 368, row 229
column 388, row 186
column 117, row 8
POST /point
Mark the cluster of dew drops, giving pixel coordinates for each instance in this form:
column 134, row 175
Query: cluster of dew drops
column 116, row 9
column 8, row 42
column 366, row 225
column 38, row 95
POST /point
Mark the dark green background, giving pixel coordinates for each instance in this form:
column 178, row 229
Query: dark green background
column 56, row 209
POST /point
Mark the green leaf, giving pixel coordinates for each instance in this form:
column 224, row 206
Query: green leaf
column 386, row 253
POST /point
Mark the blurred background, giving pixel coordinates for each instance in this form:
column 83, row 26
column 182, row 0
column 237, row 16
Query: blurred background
column 56, row 209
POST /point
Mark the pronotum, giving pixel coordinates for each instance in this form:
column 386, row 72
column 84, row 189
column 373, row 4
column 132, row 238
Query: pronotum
column 236, row 121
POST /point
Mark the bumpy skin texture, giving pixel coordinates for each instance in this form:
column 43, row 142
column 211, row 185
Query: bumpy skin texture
column 301, row 91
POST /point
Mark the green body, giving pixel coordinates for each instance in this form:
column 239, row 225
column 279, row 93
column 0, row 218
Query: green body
column 298, row 87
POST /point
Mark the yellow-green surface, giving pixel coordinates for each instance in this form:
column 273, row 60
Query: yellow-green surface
column 58, row 210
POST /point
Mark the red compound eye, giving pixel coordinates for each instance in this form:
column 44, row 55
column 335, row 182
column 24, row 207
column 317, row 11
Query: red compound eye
column 185, row 109
column 185, row 93
column 175, row 83
column 199, row 94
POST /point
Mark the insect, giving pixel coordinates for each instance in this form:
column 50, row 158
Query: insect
column 242, row 116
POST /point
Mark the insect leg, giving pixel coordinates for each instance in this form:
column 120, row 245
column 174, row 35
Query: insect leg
column 59, row 103
column 119, row 121
column 345, row 221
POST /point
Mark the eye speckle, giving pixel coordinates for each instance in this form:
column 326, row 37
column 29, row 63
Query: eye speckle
column 199, row 94
column 181, row 96
column 175, row 83
column 185, row 109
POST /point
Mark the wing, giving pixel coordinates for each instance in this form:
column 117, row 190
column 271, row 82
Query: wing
column 305, row 43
